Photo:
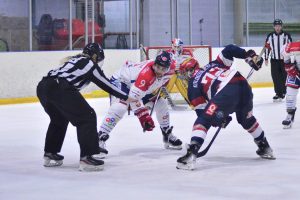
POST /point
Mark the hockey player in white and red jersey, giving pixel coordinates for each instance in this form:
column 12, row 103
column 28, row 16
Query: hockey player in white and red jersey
column 142, row 81
column 216, row 91
column 291, row 57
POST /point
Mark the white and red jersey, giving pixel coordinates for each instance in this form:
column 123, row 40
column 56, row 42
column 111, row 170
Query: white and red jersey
column 141, row 79
column 186, row 53
column 291, row 53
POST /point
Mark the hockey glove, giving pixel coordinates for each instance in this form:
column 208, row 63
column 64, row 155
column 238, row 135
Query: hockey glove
column 251, row 59
column 267, row 45
column 226, row 121
column 291, row 69
column 145, row 119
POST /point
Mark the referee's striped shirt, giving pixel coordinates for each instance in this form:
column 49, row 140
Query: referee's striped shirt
column 276, row 42
column 79, row 71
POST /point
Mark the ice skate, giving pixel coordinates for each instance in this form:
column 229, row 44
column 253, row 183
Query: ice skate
column 264, row 149
column 170, row 141
column 53, row 159
column 89, row 163
column 102, row 147
column 278, row 98
column 188, row 161
column 289, row 120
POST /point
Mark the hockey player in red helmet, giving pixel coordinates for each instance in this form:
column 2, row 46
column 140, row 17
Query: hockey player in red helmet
column 142, row 81
column 188, row 67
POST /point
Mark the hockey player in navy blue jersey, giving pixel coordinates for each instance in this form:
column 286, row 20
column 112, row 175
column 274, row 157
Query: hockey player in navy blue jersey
column 216, row 91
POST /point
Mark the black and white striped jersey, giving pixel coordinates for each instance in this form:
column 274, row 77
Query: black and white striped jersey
column 276, row 42
column 79, row 71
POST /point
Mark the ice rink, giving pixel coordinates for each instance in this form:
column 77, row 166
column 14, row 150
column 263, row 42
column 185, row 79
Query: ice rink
column 139, row 168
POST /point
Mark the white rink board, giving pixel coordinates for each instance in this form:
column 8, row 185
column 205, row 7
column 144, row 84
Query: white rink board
column 138, row 168
column 21, row 71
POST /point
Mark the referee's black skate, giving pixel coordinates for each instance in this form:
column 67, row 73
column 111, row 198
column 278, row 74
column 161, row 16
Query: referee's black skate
column 188, row 161
column 53, row 159
column 90, row 163
column 264, row 149
column 288, row 122
column 278, row 98
column 170, row 141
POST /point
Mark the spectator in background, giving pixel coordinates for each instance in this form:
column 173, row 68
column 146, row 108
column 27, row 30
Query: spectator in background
column 274, row 42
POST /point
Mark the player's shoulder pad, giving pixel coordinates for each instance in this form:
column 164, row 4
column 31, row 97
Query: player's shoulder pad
column 146, row 77
column 292, row 47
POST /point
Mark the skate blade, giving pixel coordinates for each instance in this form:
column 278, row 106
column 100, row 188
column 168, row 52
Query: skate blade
column 278, row 100
column 100, row 156
column 188, row 166
column 171, row 147
column 268, row 157
column 287, row 126
column 52, row 163
column 83, row 167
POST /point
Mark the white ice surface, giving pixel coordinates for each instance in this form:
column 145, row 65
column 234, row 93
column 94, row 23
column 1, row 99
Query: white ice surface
column 139, row 168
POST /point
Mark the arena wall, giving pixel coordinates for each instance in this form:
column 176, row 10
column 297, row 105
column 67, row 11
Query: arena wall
column 21, row 71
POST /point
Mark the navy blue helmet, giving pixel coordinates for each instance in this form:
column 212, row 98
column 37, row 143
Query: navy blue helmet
column 163, row 59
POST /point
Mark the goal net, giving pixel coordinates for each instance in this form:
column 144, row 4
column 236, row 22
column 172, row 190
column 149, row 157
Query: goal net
column 202, row 53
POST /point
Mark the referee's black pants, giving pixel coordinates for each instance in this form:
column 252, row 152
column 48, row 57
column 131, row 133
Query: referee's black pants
column 63, row 103
column 279, row 77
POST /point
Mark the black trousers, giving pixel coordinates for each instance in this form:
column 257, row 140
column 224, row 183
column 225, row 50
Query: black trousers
column 64, row 104
column 279, row 76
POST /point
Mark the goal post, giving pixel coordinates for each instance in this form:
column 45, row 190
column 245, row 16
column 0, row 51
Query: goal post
column 202, row 53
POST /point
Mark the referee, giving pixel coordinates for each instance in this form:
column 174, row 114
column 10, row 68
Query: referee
column 275, row 41
column 59, row 94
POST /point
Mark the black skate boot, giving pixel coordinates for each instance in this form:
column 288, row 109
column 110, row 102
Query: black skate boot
column 53, row 159
column 278, row 98
column 103, row 151
column 264, row 149
column 188, row 161
column 90, row 163
column 170, row 141
column 288, row 122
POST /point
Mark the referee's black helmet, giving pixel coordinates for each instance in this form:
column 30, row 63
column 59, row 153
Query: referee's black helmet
column 94, row 49
column 277, row 22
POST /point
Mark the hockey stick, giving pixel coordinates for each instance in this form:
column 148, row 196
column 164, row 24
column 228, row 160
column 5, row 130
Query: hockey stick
column 257, row 59
column 156, row 99
column 166, row 93
column 143, row 49
column 203, row 153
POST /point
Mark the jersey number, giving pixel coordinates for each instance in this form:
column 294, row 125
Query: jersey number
column 211, row 109
column 142, row 83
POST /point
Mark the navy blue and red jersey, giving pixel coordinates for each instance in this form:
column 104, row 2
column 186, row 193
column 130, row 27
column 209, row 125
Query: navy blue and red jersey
column 210, row 80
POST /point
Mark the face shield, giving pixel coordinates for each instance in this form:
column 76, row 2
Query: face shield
column 160, row 70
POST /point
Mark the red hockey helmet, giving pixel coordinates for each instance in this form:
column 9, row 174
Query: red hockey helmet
column 188, row 66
